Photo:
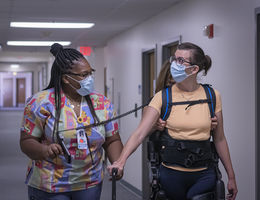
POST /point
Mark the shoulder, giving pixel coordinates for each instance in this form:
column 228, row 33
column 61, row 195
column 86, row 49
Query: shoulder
column 95, row 96
column 215, row 90
column 217, row 93
column 41, row 97
column 100, row 102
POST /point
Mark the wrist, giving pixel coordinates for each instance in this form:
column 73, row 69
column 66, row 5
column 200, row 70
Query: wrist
column 231, row 177
column 44, row 151
column 121, row 162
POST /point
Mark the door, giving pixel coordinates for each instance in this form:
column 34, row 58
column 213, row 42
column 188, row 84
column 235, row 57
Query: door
column 148, row 88
column 8, row 92
column 20, row 92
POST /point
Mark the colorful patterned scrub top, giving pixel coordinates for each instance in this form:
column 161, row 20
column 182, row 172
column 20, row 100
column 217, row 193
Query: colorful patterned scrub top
column 57, row 175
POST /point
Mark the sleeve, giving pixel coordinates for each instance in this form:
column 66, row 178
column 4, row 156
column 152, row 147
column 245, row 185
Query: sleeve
column 111, row 128
column 156, row 102
column 34, row 118
column 218, row 102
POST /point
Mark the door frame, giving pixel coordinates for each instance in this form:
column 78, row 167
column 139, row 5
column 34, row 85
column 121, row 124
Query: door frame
column 145, row 98
column 257, row 74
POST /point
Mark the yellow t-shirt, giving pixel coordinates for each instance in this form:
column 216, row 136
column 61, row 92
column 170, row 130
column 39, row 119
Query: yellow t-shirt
column 193, row 123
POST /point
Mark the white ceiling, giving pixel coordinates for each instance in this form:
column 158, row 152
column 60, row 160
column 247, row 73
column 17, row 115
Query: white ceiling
column 111, row 17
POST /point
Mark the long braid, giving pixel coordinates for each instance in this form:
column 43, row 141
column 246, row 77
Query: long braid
column 92, row 110
column 62, row 64
column 63, row 61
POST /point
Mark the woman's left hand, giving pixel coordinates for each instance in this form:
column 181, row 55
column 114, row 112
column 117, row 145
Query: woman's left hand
column 232, row 189
column 119, row 167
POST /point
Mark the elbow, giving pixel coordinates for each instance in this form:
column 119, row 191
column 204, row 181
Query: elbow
column 22, row 146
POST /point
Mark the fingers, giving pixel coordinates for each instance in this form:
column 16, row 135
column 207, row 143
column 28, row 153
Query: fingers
column 119, row 168
column 52, row 151
column 214, row 123
column 160, row 125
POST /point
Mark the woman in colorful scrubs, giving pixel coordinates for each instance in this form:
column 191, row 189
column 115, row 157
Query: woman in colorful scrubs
column 56, row 115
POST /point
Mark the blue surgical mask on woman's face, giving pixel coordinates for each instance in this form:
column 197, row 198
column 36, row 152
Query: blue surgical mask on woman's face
column 178, row 72
column 86, row 85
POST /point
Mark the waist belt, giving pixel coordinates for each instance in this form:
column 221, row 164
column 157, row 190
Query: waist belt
column 186, row 153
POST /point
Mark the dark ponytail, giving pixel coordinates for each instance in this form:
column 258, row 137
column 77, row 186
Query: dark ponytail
column 207, row 64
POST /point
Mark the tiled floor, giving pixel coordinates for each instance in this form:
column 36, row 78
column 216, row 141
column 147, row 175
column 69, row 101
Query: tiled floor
column 13, row 164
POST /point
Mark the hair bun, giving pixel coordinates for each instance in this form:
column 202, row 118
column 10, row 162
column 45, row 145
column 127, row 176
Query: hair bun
column 56, row 48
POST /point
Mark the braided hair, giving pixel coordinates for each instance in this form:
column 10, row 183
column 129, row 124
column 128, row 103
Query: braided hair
column 62, row 64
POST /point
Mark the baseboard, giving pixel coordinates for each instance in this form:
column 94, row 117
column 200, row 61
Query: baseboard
column 131, row 188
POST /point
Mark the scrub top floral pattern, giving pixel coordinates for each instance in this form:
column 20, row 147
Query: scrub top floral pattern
column 57, row 175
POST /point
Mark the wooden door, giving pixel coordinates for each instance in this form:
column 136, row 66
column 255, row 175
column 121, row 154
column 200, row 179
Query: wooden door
column 20, row 92
column 8, row 92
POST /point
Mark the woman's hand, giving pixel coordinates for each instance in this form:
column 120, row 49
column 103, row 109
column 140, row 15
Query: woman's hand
column 51, row 151
column 214, row 123
column 120, row 169
column 160, row 125
column 232, row 189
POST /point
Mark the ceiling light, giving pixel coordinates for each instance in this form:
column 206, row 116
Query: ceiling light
column 37, row 43
column 50, row 25
column 15, row 66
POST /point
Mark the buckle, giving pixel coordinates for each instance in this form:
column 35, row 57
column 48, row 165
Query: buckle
column 199, row 152
column 181, row 146
column 189, row 160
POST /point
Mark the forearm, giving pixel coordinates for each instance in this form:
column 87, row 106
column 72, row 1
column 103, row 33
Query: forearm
column 223, row 152
column 148, row 120
column 131, row 145
column 113, row 150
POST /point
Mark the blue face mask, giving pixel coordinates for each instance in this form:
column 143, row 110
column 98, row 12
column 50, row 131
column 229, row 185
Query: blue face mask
column 178, row 72
column 86, row 85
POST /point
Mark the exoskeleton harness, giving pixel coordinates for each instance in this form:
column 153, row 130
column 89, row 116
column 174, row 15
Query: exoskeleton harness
column 190, row 154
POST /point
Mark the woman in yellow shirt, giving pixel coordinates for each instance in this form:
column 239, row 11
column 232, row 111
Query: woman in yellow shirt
column 193, row 124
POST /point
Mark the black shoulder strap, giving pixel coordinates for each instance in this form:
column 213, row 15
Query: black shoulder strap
column 212, row 97
column 166, row 101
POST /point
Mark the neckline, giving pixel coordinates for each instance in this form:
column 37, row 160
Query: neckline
column 188, row 92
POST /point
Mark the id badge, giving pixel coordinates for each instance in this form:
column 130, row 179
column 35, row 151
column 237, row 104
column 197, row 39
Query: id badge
column 82, row 140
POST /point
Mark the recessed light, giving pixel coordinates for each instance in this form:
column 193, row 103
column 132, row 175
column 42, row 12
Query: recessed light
column 15, row 66
column 37, row 43
column 50, row 25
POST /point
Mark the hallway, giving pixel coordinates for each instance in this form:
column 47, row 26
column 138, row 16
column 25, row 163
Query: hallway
column 13, row 164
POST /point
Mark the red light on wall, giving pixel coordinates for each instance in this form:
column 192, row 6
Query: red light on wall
column 86, row 51
column 209, row 30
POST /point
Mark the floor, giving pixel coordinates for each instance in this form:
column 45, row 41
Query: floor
column 13, row 164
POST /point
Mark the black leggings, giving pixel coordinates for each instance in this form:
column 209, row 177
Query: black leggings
column 179, row 185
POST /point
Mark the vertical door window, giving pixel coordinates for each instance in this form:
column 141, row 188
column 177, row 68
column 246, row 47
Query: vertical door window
column 148, row 75
column 168, row 50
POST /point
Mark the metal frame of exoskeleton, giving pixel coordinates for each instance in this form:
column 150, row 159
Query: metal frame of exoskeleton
column 154, row 148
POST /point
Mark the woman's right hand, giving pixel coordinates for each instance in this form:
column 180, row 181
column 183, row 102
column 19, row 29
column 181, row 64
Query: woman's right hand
column 214, row 123
column 160, row 125
column 51, row 151
column 120, row 169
